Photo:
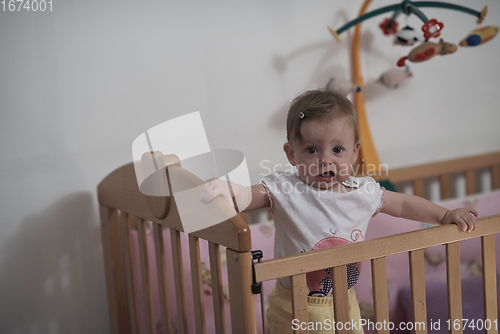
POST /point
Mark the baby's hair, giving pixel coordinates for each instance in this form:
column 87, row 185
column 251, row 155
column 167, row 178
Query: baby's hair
column 315, row 104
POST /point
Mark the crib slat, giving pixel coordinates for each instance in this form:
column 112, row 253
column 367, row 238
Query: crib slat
column 262, row 308
column 146, row 285
column 454, row 285
column 127, row 222
column 380, row 295
column 417, row 282
column 217, row 288
column 175, row 240
column 489, row 280
column 161, row 272
column 445, row 186
column 239, row 274
column 113, row 263
column 299, row 301
column 495, row 176
column 340, row 298
column 199, row 306
column 418, row 187
column 470, row 175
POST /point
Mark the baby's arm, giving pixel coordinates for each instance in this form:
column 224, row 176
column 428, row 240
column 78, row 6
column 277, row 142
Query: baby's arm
column 247, row 198
column 419, row 209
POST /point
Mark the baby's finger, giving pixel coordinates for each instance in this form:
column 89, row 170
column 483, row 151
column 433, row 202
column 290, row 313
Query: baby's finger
column 469, row 222
column 461, row 224
column 206, row 184
column 224, row 193
column 210, row 180
column 217, row 192
column 209, row 186
column 474, row 212
column 209, row 196
column 471, row 216
column 203, row 191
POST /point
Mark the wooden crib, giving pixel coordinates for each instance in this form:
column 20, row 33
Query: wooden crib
column 124, row 208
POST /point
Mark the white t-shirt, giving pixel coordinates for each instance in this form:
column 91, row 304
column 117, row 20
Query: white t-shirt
column 307, row 218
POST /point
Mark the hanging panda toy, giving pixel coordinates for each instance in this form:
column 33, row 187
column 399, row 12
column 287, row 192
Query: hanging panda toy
column 406, row 36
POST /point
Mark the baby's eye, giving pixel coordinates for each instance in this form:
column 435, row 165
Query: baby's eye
column 311, row 150
column 337, row 149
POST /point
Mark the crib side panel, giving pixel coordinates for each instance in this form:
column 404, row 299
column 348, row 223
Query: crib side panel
column 154, row 280
column 444, row 167
column 420, row 176
column 414, row 244
column 369, row 249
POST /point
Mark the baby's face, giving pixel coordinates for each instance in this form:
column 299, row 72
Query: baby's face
column 326, row 154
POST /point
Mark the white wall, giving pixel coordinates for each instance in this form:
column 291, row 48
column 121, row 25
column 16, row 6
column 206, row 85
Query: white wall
column 78, row 85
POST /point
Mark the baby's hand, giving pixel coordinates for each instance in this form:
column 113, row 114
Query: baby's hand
column 213, row 188
column 465, row 218
column 217, row 187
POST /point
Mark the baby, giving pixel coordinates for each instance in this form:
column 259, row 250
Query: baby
column 321, row 205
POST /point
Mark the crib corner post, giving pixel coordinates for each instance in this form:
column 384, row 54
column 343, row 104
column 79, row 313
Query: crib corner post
column 239, row 272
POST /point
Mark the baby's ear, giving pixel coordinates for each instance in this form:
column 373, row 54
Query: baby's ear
column 290, row 153
column 356, row 152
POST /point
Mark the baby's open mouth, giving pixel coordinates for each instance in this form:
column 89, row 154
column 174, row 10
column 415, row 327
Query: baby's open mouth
column 327, row 176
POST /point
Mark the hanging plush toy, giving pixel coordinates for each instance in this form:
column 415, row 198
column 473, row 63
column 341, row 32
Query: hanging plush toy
column 395, row 77
column 343, row 86
column 479, row 36
column 427, row 50
column 406, row 36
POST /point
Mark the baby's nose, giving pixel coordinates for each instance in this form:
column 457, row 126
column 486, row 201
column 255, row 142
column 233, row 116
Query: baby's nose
column 326, row 159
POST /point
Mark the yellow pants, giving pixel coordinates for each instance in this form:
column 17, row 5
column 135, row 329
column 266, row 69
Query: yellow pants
column 319, row 312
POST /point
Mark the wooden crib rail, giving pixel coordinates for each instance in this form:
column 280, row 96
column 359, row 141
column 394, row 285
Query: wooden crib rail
column 376, row 250
column 370, row 249
column 119, row 190
column 443, row 171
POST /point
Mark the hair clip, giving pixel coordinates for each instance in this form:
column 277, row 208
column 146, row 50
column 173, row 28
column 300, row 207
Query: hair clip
column 301, row 115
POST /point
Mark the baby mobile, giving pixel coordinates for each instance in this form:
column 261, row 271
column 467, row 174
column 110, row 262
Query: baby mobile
column 407, row 36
